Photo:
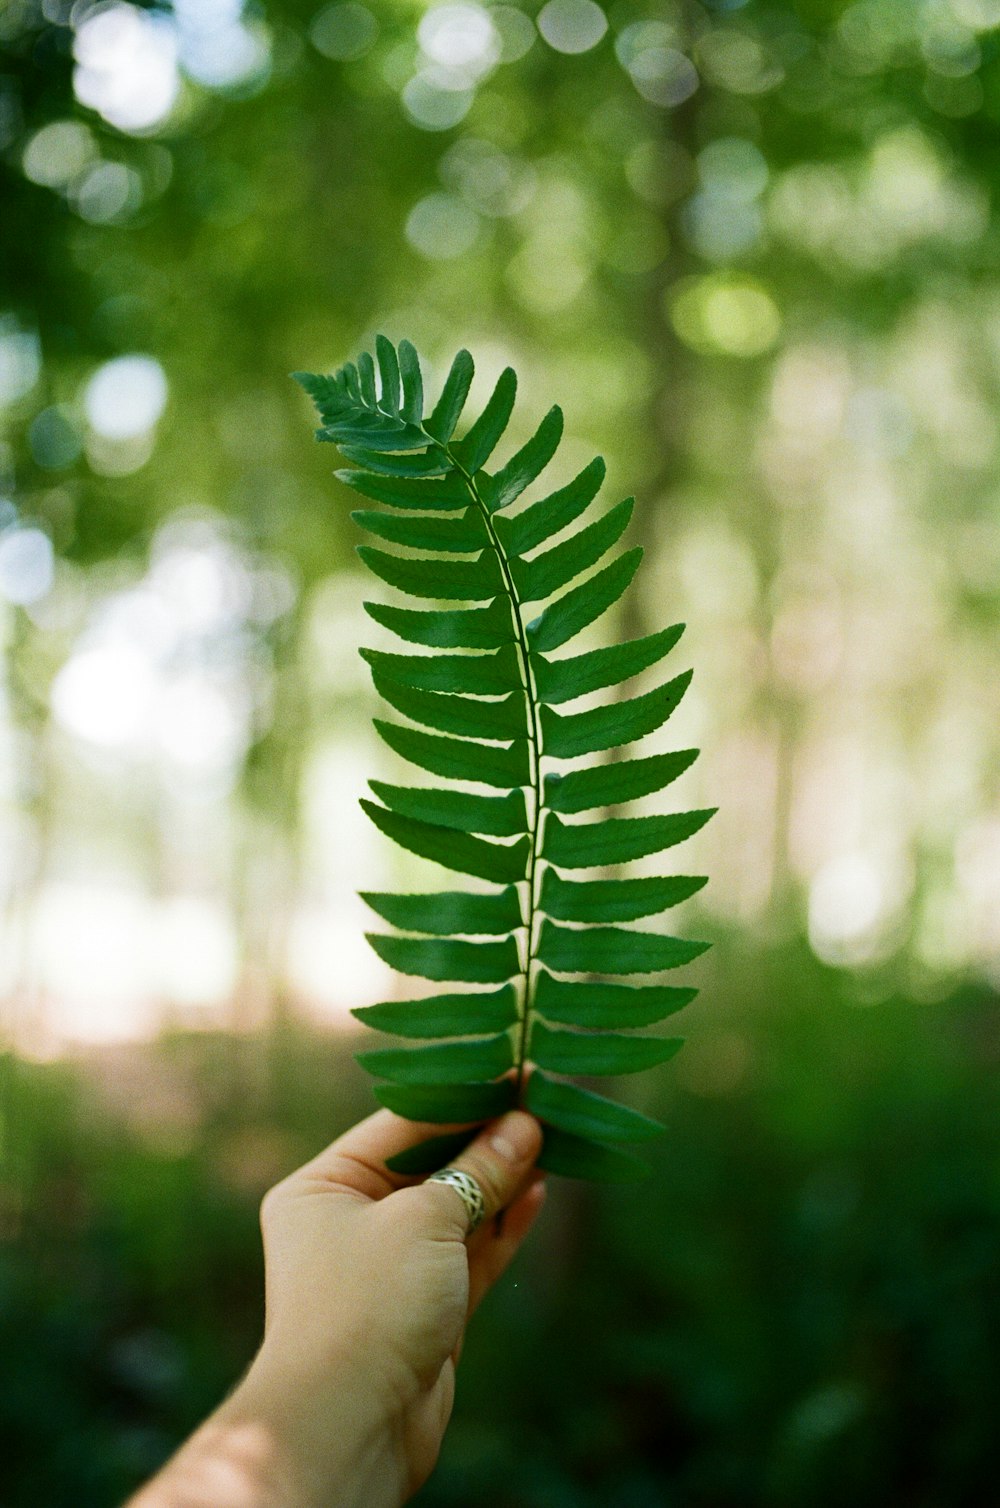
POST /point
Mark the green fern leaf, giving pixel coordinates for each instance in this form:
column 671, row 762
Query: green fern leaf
column 612, row 950
column 616, row 840
column 388, row 367
column 539, row 578
column 487, row 675
column 469, row 716
column 614, row 900
column 542, row 951
column 583, row 1113
column 495, row 816
column 444, row 1062
column 598, row 1053
column 463, row 628
column 412, row 407
column 366, row 380
column 614, row 1005
column 444, row 1015
column 576, row 1157
column 457, row 758
column 529, row 462
column 562, row 680
column 464, row 580
column 479, row 444
column 550, row 515
column 448, row 912
column 429, row 463
column 447, row 1103
column 444, row 494
column 441, row 424
column 569, row 734
column 611, row 784
column 456, row 535
column 502, row 863
column 447, row 958
column 584, row 604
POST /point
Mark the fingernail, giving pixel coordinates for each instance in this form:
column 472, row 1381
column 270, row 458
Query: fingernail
column 515, row 1138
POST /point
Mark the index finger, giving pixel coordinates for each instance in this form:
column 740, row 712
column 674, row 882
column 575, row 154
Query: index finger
column 356, row 1160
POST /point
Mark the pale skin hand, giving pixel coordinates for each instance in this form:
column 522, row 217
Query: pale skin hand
column 370, row 1283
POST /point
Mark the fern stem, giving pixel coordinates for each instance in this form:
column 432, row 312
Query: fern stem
column 535, row 742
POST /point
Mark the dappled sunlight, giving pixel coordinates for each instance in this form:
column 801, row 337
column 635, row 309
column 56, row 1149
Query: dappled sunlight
column 751, row 252
column 812, row 469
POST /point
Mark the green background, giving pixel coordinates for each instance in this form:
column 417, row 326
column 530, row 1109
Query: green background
column 752, row 252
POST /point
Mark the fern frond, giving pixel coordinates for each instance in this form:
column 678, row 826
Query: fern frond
column 540, row 949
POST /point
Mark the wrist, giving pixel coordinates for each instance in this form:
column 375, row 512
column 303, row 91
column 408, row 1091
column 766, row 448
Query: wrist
column 331, row 1438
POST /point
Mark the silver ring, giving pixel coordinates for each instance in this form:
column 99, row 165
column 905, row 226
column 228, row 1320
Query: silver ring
column 468, row 1191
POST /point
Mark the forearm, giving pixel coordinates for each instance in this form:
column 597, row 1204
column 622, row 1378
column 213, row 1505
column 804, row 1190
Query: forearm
column 262, row 1449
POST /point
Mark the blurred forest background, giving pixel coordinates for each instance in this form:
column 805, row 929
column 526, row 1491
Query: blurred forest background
column 753, row 250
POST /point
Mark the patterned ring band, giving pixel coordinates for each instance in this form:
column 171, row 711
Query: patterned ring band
column 468, row 1191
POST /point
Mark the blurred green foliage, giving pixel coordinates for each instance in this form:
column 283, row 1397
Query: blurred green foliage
column 752, row 249
column 800, row 1306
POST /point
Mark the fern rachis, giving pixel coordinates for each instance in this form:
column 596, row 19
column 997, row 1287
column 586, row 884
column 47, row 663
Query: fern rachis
column 486, row 708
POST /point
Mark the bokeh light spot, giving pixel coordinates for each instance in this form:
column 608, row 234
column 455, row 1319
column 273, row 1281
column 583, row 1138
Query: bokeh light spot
column 661, row 73
column 108, row 192
column 515, row 30
column 26, row 565
column 126, row 66
column 725, row 313
column 217, row 47
column 20, row 360
column 441, row 227
column 433, row 103
column 572, row 26
column 459, row 36
column 58, row 152
column 846, row 904
column 105, row 695
column 125, row 397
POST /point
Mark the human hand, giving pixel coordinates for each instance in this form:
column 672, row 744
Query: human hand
column 370, row 1282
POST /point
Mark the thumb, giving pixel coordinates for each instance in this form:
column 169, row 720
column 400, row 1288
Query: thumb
column 500, row 1160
